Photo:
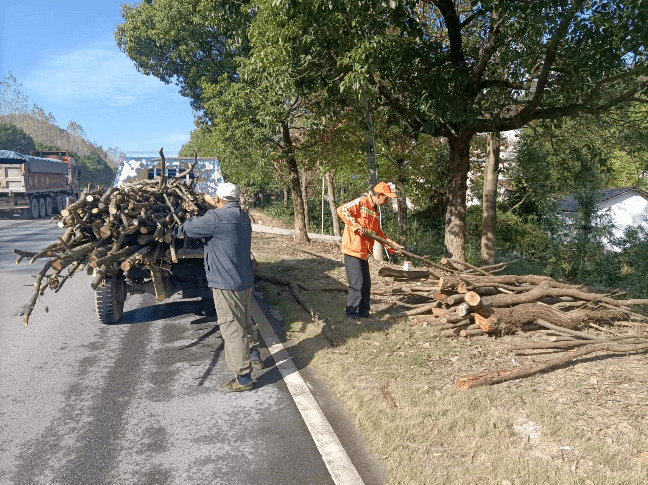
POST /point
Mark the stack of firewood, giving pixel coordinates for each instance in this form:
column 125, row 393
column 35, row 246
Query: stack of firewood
column 464, row 300
column 118, row 228
column 475, row 301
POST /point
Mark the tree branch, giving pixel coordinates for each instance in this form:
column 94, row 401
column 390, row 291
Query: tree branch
column 488, row 50
column 550, row 58
column 453, row 26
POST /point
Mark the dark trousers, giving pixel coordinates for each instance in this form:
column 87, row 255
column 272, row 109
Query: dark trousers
column 357, row 271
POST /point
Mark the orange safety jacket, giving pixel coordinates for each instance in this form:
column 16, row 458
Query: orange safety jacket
column 363, row 212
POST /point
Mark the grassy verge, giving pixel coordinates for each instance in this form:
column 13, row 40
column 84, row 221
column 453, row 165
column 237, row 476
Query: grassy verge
column 584, row 423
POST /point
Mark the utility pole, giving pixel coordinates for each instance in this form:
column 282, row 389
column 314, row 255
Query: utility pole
column 372, row 167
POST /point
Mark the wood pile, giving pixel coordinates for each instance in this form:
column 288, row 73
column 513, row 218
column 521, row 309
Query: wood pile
column 117, row 229
column 465, row 303
column 464, row 300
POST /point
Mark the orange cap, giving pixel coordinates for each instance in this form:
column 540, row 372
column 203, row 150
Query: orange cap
column 384, row 188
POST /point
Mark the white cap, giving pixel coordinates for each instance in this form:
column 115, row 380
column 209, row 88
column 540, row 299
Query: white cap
column 228, row 191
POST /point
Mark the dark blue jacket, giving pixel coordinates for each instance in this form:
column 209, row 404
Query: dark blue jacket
column 228, row 238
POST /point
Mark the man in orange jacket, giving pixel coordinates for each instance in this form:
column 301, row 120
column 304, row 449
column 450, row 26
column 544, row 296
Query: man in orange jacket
column 360, row 216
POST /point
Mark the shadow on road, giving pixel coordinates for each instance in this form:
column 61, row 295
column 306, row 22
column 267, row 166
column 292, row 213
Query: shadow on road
column 203, row 309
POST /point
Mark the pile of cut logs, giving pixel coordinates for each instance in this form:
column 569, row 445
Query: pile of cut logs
column 464, row 300
column 116, row 229
column 474, row 302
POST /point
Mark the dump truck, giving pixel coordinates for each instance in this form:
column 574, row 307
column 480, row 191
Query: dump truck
column 186, row 273
column 36, row 186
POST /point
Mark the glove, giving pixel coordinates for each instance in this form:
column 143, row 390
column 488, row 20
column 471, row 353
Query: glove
column 359, row 229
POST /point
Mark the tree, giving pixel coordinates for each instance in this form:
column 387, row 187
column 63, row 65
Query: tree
column 94, row 169
column 76, row 129
column 186, row 42
column 12, row 100
column 243, row 98
column 13, row 138
column 490, row 199
column 455, row 69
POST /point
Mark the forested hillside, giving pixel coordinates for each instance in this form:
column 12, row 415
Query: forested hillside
column 25, row 127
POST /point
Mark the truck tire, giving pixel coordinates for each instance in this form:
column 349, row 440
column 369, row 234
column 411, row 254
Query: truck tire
column 48, row 207
column 110, row 298
column 60, row 204
column 41, row 208
column 34, row 208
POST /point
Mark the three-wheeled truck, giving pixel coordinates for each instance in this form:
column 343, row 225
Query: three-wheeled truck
column 187, row 275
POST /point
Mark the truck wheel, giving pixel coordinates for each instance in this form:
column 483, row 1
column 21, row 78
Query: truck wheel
column 110, row 298
column 34, row 208
column 60, row 204
column 41, row 207
column 48, row 206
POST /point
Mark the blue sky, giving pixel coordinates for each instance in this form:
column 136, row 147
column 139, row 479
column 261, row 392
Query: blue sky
column 65, row 56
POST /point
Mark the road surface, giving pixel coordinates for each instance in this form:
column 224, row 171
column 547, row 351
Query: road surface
column 137, row 402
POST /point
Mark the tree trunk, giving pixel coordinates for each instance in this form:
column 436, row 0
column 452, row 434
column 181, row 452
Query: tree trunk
column 489, row 202
column 286, row 193
column 330, row 178
column 455, row 221
column 304, row 190
column 370, row 148
column 301, row 233
column 402, row 201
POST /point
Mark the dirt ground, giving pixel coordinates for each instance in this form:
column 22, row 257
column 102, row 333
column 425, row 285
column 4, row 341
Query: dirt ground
column 585, row 422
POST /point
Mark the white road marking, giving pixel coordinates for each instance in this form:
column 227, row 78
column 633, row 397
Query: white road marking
column 335, row 457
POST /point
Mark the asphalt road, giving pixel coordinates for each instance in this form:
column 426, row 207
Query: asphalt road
column 138, row 402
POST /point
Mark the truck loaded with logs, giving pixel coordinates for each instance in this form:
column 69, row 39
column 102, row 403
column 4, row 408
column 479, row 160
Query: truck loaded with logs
column 37, row 185
column 123, row 236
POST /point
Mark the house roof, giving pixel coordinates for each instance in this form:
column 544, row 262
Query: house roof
column 570, row 204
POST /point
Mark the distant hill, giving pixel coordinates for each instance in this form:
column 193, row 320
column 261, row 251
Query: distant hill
column 46, row 133
column 96, row 165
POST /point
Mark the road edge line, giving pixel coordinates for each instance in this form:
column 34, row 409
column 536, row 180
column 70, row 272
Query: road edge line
column 335, row 457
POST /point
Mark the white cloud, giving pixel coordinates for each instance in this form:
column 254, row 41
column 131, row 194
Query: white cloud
column 96, row 74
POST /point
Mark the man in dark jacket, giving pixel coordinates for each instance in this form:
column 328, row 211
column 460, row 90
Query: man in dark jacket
column 227, row 231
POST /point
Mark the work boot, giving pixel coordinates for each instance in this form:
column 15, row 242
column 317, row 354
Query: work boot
column 353, row 317
column 239, row 383
column 256, row 360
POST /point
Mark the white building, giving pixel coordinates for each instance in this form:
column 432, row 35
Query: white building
column 626, row 206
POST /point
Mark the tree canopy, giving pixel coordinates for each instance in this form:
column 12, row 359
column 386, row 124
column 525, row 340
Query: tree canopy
column 456, row 68
column 14, row 138
column 435, row 68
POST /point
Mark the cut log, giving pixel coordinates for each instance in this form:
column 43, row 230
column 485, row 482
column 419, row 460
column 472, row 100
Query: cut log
column 486, row 324
column 495, row 377
column 460, row 324
column 472, row 298
column 509, row 319
column 399, row 273
column 75, row 254
column 158, row 282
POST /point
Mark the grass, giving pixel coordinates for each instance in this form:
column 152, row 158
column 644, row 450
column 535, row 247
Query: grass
column 397, row 381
